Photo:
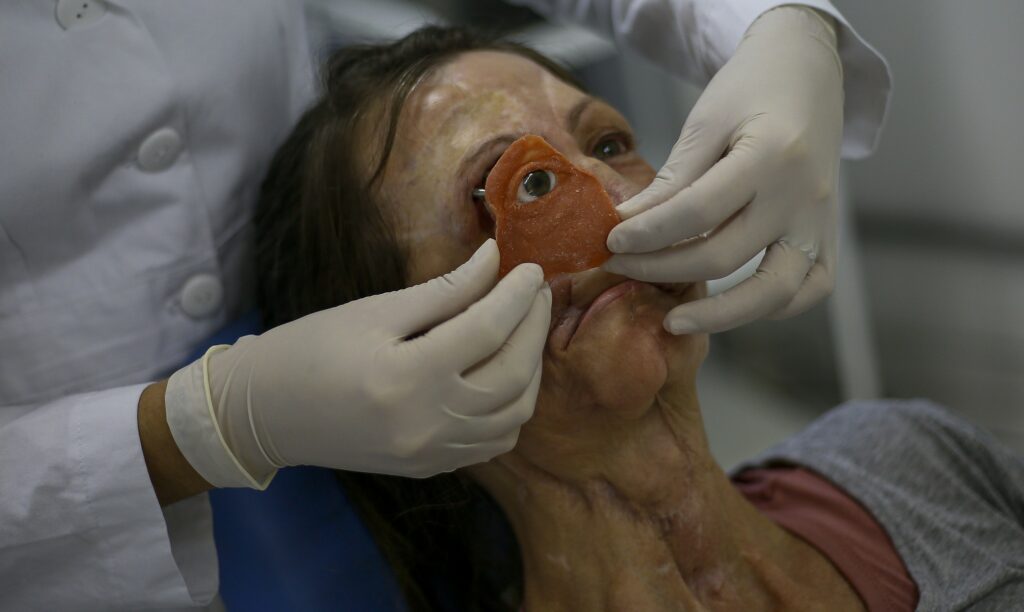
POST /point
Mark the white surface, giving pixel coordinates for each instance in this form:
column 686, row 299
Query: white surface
column 570, row 44
column 202, row 295
column 71, row 13
column 159, row 150
column 744, row 272
column 742, row 416
column 80, row 526
column 368, row 20
column 93, row 256
column 951, row 328
column 850, row 318
column 952, row 147
column 94, row 252
column 374, row 20
column 949, row 312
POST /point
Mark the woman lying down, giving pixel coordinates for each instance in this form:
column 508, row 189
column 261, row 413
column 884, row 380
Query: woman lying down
column 613, row 498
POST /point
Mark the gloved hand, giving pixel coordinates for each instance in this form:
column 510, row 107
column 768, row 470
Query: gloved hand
column 348, row 388
column 756, row 166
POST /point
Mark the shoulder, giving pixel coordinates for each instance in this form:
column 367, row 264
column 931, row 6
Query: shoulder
column 913, row 446
column 891, row 433
column 947, row 493
column 918, row 418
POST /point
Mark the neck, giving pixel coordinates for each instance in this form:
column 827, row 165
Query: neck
column 652, row 523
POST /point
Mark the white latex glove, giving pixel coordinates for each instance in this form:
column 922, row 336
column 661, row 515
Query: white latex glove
column 756, row 166
column 346, row 388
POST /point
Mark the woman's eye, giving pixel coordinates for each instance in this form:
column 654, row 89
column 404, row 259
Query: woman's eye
column 535, row 184
column 608, row 148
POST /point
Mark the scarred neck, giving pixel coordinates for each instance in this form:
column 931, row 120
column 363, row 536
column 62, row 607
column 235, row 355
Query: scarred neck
column 653, row 523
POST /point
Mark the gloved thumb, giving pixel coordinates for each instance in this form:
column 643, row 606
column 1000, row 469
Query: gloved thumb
column 702, row 142
column 423, row 306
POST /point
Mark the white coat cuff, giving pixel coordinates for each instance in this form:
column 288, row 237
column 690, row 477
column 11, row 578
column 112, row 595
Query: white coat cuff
column 197, row 433
column 148, row 556
column 866, row 78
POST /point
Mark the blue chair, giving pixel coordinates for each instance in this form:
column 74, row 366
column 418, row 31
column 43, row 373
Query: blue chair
column 299, row 545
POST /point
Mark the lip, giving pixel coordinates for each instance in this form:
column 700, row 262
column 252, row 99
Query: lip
column 569, row 323
column 605, row 298
column 574, row 317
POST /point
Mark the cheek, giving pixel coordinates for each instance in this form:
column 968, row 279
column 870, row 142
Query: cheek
column 437, row 235
column 637, row 173
column 609, row 376
column 627, row 374
column 435, row 255
column 624, row 361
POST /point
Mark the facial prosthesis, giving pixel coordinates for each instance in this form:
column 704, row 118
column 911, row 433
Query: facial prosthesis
column 547, row 211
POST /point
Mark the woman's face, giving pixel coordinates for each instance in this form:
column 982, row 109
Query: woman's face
column 607, row 358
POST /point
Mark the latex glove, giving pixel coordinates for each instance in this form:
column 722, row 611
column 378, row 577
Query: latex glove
column 756, row 166
column 346, row 388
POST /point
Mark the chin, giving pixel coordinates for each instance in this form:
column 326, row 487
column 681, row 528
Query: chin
column 622, row 358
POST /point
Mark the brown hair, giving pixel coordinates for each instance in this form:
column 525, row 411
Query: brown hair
column 322, row 241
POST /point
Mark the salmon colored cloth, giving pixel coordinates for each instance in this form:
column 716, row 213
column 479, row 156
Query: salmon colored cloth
column 822, row 514
column 564, row 230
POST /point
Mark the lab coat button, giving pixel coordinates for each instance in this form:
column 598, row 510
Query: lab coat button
column 201, row 296
column 159, row 150
column 71, row 13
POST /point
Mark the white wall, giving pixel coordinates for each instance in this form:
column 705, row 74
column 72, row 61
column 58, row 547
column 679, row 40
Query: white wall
column 953, row 147
column 942, row 205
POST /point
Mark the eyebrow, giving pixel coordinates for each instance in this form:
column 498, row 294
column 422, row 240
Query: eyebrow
column 572, row 120
column 486, row 146
column 576, row 112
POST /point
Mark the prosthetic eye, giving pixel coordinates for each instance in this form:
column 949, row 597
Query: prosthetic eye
column 547, row 211
column 535, row 184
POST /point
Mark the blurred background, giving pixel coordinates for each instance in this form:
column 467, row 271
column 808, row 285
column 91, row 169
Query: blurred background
column 930, row 295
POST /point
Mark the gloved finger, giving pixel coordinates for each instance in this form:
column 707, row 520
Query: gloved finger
column 701, row 143
column 480, row 439
column 698, row 208
column 509, row 417
column 817, row 286
column 504, row 426
column 468, row 338
column 778, row 278
column 728, row 248
column 502, row 377
column 428, row 304
column 483, row 452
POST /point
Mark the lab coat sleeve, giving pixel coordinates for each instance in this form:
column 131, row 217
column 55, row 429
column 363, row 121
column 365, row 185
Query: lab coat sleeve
column 80, row 525
column 694, row 38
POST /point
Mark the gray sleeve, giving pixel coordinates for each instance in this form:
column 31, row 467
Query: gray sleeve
column 948, row 494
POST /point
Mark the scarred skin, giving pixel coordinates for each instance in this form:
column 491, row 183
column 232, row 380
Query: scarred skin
column 615, row 499
column 565, row 230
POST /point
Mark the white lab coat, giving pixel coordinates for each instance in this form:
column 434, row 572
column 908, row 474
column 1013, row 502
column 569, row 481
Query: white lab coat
column 133, row 136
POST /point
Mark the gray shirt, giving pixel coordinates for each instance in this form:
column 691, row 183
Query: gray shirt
column 948, row 494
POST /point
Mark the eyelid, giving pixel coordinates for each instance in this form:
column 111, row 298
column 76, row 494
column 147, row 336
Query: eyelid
column 473, row 165
column 477, row 191
column 487, row 170
column 625, row 138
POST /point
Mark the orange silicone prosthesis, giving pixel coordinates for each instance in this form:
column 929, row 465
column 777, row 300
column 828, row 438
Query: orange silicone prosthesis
column 547, row 211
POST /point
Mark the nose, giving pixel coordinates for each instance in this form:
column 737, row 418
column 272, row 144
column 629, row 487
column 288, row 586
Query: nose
column 589, row 284
column 617, row 187
column 574, row 292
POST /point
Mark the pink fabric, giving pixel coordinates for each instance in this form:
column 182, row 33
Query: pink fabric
column 822, row 514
